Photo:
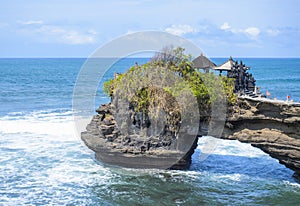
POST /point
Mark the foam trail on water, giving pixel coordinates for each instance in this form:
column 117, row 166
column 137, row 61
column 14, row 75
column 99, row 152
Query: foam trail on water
column 51, row 124
column 230, row 147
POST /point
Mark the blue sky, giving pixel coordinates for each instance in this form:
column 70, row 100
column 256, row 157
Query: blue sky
column 65, row 28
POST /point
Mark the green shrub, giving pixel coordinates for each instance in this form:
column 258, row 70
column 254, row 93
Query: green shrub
column 206, row 87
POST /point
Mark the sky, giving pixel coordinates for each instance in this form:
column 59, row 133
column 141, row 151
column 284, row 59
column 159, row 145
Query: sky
column 73, row 28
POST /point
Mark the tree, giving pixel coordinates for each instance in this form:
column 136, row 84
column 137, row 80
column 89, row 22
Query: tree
column 174, row 59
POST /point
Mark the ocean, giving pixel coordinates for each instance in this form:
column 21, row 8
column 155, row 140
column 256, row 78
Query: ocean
column 44, row 162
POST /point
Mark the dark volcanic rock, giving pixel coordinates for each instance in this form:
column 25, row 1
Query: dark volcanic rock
column 104, row 137
column 272, row 126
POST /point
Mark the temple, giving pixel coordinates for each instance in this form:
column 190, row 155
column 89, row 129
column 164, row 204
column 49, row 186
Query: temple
column 244, row 80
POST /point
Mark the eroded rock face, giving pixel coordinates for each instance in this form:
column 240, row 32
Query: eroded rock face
column 272, row 126
column 132, row 149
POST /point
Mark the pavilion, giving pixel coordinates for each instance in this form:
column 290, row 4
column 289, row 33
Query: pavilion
column 202, row 62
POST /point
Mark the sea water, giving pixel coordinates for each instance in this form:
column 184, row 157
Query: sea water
column 44, row 162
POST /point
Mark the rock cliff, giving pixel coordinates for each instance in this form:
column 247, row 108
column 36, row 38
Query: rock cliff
column 141, row 147
column 272, row 126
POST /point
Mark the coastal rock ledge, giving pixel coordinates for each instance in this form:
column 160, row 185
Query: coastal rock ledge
column 273, row 126
column 141, row 148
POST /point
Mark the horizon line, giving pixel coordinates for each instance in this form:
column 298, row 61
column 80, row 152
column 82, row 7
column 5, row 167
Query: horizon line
column 249, row 57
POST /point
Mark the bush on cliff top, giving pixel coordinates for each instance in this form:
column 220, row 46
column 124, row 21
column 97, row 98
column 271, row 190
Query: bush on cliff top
column 206, row 87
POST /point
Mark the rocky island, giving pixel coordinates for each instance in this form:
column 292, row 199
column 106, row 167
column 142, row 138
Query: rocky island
column 160, row 109
column 111, row 146
column 149, row 123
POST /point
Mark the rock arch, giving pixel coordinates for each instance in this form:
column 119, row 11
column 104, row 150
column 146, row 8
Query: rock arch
column 273, row 126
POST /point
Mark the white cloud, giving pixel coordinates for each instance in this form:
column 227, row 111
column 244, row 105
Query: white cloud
column 74, row 37
column 53, row 33
column 31, row 22
column 252, row 31
column 225, row 26
column 67, row 36
column 51, row 30
column 180, row 29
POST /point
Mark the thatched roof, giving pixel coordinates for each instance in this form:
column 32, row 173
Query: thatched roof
column 202, row 62
column 227, row 66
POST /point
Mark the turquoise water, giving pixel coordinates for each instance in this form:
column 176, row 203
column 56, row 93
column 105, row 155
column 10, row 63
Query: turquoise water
column 43, row 161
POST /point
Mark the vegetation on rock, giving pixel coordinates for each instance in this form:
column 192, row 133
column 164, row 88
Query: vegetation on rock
column 139, row 81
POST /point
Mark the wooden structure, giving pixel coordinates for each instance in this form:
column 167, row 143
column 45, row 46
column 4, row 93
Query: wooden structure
column 202, row 62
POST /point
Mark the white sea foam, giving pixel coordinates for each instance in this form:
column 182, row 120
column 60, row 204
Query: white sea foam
column 229, row 147
column 43, row 159
column 37, row 127
column 51, row 123
column 293, row 184
column 39, row 114
column 233, row 177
